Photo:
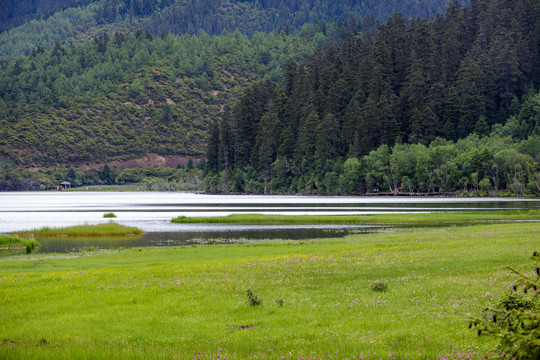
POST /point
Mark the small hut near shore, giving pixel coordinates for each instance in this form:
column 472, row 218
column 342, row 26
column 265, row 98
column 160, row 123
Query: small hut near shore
column 65, row 185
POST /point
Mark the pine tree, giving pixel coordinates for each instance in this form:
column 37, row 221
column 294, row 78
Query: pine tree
column 351, row 119
column 471, row 101
column 327, row 140
column 212, row 151
column 264, row 152
column 451, row 114
column 423, row 50
column 307, row 138
column 366, row 127
column 481, row 128
column 453, row 45
column 503, row 52
column 107, row 175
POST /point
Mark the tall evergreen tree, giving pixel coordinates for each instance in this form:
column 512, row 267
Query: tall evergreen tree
column 327, row 141
column 471, row 102
column 212, row 150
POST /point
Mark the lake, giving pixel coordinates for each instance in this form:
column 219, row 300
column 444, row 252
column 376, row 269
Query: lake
column 152, row 212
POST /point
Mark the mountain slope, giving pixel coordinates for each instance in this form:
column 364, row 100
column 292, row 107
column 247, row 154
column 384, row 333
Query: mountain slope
column 42, row 23
column 123, row 96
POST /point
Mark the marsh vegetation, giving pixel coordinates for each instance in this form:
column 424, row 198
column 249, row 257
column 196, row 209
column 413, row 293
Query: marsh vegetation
column 107, row 229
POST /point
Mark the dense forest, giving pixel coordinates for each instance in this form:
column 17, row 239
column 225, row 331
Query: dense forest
column 28, row 24
column 394, row 110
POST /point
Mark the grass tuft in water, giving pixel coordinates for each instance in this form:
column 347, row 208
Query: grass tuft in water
column 109, row 215
column 108, row 229
column 15, row 242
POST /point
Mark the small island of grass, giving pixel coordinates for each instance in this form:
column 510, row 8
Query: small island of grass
column 109, row 215
column 108, row 229
column 434, row 218
column 11, row 242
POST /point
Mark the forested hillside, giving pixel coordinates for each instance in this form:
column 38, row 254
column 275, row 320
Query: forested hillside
column 29, row 24
column 17, row 12
column 396, row 90
column 434, row 104
column 123, row 96
column 214, row 16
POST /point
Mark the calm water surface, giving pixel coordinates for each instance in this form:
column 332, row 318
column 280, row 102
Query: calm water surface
column 152, row 212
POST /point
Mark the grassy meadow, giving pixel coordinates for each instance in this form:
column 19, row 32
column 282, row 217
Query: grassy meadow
column 317, row 297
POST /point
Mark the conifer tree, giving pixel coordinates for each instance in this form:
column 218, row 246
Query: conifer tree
column 212, row 151
column 327, row 140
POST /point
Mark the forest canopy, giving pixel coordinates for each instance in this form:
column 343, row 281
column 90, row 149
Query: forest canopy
column 404, row 89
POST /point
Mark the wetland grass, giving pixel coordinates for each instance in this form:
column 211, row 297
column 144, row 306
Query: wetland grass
column 9, row 242
column 190, row 302
column 109, row 215
column 434, row 218
column 107, row 229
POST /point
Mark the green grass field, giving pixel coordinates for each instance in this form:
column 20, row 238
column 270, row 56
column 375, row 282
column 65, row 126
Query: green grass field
column 434, row 218
column 107, row 229
column 317, row 302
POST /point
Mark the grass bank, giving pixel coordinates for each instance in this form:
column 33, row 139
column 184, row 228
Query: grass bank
column 9, row 242
column 434, row 218
column 317, row 297
column 107, row 229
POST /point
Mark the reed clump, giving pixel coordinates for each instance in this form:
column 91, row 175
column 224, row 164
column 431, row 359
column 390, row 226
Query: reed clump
column 9, row 242
column 107, row 229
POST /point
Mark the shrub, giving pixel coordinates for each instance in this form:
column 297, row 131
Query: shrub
column 253, row 299
column 379, row 286
column 516, row 301
column 109, row 215
column 485, row 184
column 516, row 319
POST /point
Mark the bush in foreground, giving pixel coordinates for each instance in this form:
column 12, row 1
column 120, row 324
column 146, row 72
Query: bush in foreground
column 516, row 319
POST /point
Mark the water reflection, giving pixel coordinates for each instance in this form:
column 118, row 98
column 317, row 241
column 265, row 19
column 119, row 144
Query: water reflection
column 220, row 235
